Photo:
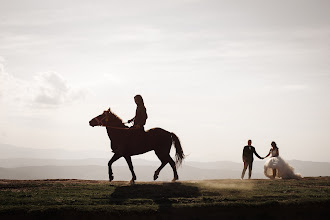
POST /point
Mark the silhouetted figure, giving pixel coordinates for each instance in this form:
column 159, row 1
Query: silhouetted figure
column 127, row 142
column 141, row 113
column 248, row 152
column 277, row 166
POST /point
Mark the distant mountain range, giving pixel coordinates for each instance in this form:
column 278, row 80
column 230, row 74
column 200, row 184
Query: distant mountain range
column 11, row 151
column 29, row 166
column 96, row 169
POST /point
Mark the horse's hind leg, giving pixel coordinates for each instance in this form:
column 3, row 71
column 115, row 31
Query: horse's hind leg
column 172, row 163
column 130, row 165
column 164, row 161
column 159, row 169
column 113, row 159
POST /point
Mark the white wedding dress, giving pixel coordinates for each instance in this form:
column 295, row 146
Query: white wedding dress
column 283, row 169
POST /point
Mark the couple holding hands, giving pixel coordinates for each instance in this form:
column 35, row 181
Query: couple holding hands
column 275, row 167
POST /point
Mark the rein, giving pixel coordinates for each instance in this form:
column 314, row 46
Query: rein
column 100, row 123
column 107, row 126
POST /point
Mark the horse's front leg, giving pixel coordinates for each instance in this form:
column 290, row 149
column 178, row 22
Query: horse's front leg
column 130, row 165
column 113, row 159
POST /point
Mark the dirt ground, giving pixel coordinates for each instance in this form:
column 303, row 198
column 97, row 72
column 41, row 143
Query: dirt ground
column 208, row 199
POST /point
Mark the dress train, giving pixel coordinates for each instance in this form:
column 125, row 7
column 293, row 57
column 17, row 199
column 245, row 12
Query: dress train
column 283, row 169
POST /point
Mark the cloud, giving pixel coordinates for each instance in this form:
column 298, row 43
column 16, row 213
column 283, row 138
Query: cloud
column 295, row 87
column 5, row 80
column 1, row 79
column 46, row 90
column 52, row 89
column 113, row 78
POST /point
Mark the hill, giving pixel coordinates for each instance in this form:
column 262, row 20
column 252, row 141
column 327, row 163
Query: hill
column 26, row 163
column 308, row 198
column 96, row 169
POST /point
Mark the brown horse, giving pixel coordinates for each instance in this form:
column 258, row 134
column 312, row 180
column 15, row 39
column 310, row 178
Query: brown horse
column 126, row 142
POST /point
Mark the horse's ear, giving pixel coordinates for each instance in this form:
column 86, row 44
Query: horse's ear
column 109, row 110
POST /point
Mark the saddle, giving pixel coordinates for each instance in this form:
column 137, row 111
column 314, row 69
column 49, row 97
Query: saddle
column 130, row 138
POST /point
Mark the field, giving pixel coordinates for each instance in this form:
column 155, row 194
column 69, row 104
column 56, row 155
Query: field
column 308, row 198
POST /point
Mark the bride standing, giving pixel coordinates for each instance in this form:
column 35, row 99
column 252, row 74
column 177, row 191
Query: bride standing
column 277, row 167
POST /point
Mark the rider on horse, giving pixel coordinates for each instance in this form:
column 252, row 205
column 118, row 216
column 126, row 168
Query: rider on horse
column 141, row 113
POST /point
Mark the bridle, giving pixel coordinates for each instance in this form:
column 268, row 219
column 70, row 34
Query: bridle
column 100, row 123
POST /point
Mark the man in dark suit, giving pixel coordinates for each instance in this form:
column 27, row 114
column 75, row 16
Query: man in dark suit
column 248, row 152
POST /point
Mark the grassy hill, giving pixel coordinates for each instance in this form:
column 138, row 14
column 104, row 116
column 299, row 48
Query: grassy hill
column 205, row 199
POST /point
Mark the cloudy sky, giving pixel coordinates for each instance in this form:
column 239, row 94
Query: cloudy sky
column 216, row 73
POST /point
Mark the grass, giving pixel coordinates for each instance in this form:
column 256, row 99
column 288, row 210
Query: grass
column 189, row 199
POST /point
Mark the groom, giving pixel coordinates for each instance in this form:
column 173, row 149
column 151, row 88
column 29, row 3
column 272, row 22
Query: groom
column 248, row 152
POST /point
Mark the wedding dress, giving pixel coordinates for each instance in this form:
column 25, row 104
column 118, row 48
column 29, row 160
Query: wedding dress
column 283, row 169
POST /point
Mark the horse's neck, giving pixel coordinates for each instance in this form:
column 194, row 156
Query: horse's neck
column 111, row 130
column 110, row 134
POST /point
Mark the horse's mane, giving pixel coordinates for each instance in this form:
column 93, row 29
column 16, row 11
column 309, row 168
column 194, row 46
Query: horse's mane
column 116, row 117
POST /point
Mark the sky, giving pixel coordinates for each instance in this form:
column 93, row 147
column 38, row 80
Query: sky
column 216, row 73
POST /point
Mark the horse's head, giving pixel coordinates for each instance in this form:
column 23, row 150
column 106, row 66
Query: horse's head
column 107, row 118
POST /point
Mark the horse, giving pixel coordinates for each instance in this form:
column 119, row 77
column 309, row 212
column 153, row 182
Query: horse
column 127, row 142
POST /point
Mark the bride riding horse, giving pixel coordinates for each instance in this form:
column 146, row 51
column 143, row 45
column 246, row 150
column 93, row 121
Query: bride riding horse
column 126, row 142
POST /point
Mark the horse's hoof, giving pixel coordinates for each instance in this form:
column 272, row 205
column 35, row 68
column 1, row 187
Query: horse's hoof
column 132, row 182
column 175, row 179
column 155, row 177
column 110, row 178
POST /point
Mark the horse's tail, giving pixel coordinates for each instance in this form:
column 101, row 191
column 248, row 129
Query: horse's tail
column 179, row 155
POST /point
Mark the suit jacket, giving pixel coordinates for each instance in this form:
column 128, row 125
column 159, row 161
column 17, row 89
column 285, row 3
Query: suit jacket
column 248, row 152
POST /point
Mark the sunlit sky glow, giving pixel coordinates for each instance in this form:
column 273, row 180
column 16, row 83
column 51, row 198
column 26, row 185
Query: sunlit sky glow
column 216, row 73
